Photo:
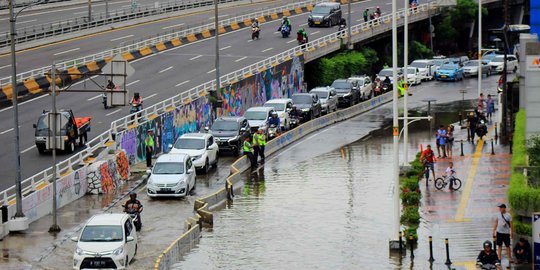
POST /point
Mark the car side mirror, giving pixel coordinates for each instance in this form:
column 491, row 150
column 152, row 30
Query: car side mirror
column 206, row 129
column 148, row 172
column 34, row 125
column 288, row 110
column 75, row 239
column 243, row 129
column 190, row 171
column 130, row 239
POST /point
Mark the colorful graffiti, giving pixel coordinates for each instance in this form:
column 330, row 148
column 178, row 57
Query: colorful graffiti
column 104, row 176
column 281, row 81
column 122, row 165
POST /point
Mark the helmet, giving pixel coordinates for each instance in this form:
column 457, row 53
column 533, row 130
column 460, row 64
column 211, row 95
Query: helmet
column 133, row 194
column 274, row 113
column 487, row 243
column 294, row 106
column 285, row 18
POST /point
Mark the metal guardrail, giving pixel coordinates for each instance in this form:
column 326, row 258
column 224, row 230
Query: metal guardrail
column 64, row 65
column 123, row 123
column 4, row 3
column 51, row 29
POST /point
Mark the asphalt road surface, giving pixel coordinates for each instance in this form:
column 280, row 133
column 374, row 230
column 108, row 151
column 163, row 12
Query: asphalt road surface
column 157, row 77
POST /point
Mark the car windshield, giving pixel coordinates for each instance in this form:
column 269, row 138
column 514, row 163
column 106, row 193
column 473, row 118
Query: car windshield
column 301, row 99
column 191, row 144
column 256, row 115
column 43, row 124
column 498, row 59
column 321, row 10
column 488, row 57
column 341, row 85
column 473, row 63
column 359, row 81
column 386, row 72
column 102, row 233
column 411, row 70
column 168, row 168
column 448, row 66
column 418, row 64
column 439, row 62
column 276, row 106
column 221, row 125
column 321, row 94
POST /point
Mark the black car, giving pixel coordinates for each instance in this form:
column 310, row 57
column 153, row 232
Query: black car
column 308, row 104
column 348, row 94
column 229, row 133
column 325, row 14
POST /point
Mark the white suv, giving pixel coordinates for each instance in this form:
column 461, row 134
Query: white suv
column 201, row 147
column 282, row 106
column 365, row 85
column 425, row 67
column 497, row 64
column 173, row 175
column 106, row 241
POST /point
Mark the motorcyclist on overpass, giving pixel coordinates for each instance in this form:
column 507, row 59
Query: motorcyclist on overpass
column 255, row 23
column 387, row 81
column 110, row 85
column 285, row 22
column 301, row 35
column 294, row 113
column 136, row 101
column 274, row 120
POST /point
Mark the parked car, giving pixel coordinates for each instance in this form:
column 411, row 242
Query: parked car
column 437, row 63
column 390, row 73
column 328, row 97
column 459, row 60
column 173, row 175
column 471, row 69
column 365, row 85
column 201, row 147
column 347, row 93
column 257, row 117
column 282, row 106
column 308, row 104
column 449, row 72
column 425, row 68
column 325, row 14
column 229, row 133
column 497, row 64
column 105, row 241
column 413, row 76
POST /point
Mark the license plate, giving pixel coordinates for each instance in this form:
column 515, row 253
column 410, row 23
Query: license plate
column 165, row 189
column 317, row 22
column 97, row 263
column 443, row 76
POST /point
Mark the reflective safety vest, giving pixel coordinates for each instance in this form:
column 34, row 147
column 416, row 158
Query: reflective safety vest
column 149, row 141
column 260, row 139
column 247, row 147
column 401, row 87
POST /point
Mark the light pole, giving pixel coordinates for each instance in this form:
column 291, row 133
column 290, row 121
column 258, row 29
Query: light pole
column 479, row 47
column 406, row 85
column 54, row 227
column 12, row 33
column 216, row 22
column 349, row 25
column 89, row 10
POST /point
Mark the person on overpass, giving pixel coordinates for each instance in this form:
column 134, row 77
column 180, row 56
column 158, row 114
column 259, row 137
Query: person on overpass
column 301, row 36
column 136, row 101
column 110, row 85
column 401, row 87
column 285, row 22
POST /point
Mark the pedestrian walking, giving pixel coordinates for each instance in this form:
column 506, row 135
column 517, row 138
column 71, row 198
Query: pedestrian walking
column 480, row 103
column 366, row 14
column 502, row 231
column 490, row 107
column 441, row 141
column 248, row 151
column 259, row 139
column 472, row 122
column 149, row 147
column 449, row 140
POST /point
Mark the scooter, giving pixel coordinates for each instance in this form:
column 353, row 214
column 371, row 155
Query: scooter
column 342, row 25
column 385, row 87
column 135, row 107
column 135, row 216
column 293, row 122
column 255, row 32
column 285, row 31
column 487, row 266
column 378, row 87
column 481, row 129
column 272, row 132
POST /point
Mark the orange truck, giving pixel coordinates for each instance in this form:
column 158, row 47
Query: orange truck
column 69, row 130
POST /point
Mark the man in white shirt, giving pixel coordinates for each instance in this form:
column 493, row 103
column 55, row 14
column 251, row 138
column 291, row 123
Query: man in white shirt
column 502, row 230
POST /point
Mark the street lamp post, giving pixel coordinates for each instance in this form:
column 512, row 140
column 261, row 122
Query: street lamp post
column 349, row 25
column 406, row 92
column 216, row 26
column 479, row 47
column 54, row 227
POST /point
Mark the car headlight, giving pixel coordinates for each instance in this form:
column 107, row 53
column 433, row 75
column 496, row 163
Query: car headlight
column 118, row 251
column 305, row 109
column 196, row 157
column 150, row 181
column 79, row 251
column 182, row 182
column 234, row 138
column 346, row 95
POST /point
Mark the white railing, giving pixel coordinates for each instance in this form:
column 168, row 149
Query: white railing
column 123, row 123
column 64, row 65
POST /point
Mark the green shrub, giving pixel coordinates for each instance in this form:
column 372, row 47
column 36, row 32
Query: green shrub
column 409, row 184
column 410, row 216
column 411, row 231
column 522, row 228
column 519, row 150
column 410, row 198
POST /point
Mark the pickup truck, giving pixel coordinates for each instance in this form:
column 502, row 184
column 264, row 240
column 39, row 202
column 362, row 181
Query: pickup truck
column 71, row 129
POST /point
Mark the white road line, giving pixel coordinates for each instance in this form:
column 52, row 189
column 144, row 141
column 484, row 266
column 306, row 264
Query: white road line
column 6, row 131
column 28, row 149
column 182, row 83
column 251, row 40
column 304, row 24
column 171, row 26
column 193, row 58
column 169, row 68
column 28, row 21
column 72, row 50
column 115, row 39
column 352, row 12
column 5, row 66
column 92, row 98
column 316, row 32
column 224, row 48
column 240, row 59
column 133, row 82
column 359, row 20
column 80, row 12
column 211, row 71
column 151, row 96
column 291, row 41
column 265, row 50
column 113, row 112
column 388, row 4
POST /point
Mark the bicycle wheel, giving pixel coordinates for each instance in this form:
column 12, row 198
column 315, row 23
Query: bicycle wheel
column 439, row 183
column 456, row 184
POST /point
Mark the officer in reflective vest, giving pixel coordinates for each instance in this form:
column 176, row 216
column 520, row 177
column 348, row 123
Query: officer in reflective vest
column 149, row 147
column 259, row 141
column 248, row 151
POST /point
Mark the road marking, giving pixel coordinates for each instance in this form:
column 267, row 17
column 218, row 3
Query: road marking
column 92, row 98
column 265, row 50
column 133, row 82
column 171, row 26
column 388, row 4
column 304, row 24
column 80, row 12
column 115, row 39
column 182, row 83
column 151, row 96
column 211, row 71
column 169, row 68
column 27, row 21
column 72, row 50
column 352, row 12
column 5, row 66
column 460, row 213
column 28, row 149
column 251, row 40
column 193, row 58
column 316, row 32
column 359, row 20
column 113, row 112
column 291, row 41
column 224, row 48
column 240, row 59
column 6, row 131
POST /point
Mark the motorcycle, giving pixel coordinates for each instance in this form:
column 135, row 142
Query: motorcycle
column 272, row 132
column 255, row 32
column 481, row 129
column 285, row 31
column 378, row 87
column 487, row 266
column 135, row 107
column 342, row 25
column 301, row 38
column 293, row 122
column 135, row 216
column 385, row 87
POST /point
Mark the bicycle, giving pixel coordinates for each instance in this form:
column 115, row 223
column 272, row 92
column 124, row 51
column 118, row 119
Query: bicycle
column 454, row 182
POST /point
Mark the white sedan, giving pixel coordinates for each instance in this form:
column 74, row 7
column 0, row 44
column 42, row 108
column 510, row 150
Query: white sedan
column 200, row 146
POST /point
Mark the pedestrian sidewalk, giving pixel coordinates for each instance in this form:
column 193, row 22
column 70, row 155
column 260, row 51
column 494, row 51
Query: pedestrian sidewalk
column 466, row 216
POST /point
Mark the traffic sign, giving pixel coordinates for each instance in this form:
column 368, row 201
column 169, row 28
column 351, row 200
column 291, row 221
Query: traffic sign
column 118, row 70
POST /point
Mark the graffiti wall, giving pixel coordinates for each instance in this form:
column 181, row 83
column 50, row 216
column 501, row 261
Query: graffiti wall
column 105, row 175
column 281, row 81
column 167, row 128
